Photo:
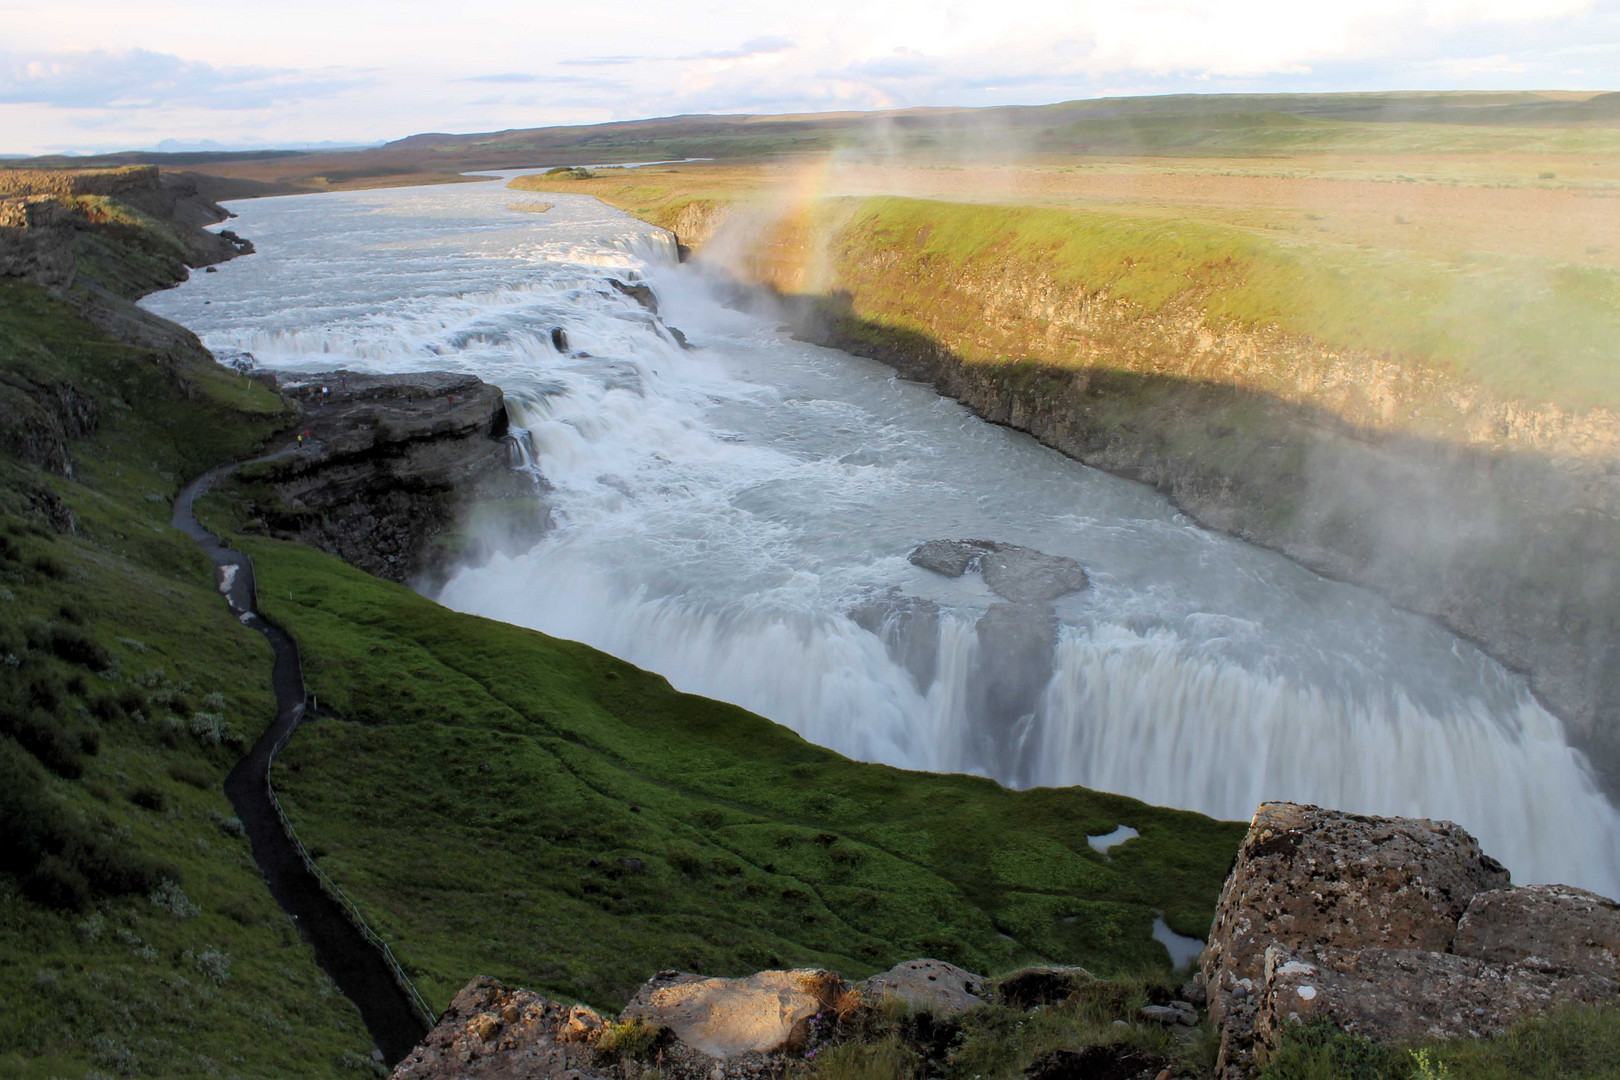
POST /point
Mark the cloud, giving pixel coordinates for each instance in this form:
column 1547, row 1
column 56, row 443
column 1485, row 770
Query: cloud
column 1467, row 67
column 760, row 46
column 139, row 78
column 523, row 78
column 605, row 61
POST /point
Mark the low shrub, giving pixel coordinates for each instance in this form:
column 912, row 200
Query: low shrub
column 192, row 773
column 58, row 748
column 629, row 1038
column 76, row 647
column 887, row 1059
column 148, row 797
column 57, row 883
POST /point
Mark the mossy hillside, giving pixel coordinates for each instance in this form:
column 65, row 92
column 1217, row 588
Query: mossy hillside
column 137, row 937
column 489, row 782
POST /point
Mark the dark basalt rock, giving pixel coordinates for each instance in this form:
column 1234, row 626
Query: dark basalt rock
column 391, row 464
column 640, row 293
column 1019, row 574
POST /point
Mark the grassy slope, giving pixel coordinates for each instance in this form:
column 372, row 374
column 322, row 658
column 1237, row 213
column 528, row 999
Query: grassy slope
column 480, row 812
column 123, row 986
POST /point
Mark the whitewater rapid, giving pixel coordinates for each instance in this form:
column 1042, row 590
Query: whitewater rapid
column 721, row 513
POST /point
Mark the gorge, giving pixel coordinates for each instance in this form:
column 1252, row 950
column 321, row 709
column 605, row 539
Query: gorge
column 738, row 517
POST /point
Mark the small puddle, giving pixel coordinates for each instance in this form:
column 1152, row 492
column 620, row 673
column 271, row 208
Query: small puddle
column 1183, row 949
column 1102, row 843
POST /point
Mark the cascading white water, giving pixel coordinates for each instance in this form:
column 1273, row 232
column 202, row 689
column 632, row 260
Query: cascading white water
column 726, row 515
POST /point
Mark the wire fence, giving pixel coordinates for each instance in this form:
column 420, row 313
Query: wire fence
column 332, row 889
column 335, row 892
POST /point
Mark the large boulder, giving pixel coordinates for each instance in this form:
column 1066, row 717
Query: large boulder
column 1306, row 877
column 1399, row 929
column 764, row 1013
column 927, row 986
column 1411, row 995
column 1017, row 643
column 908, row 626
column 1549, row 924
column 401, row 475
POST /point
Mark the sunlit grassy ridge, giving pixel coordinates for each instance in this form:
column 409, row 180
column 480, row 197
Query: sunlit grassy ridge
column 1536, row 330
column 1533, row 332
column 481, row 806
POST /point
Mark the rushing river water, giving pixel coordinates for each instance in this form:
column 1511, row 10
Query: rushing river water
column 738, row 518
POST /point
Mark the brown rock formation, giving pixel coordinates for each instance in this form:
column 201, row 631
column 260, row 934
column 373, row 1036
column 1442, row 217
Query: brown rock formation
column 766, row 1013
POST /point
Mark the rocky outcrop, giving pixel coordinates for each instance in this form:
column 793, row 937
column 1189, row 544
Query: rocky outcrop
column 1549, row 924
column 491, row 1032
column 1399, row 929
column 1412, row 995
column 693, row 1026
column 390, row 466
column 37, row 422
column 1017, row 574
column 99, row 238
column 36, row 241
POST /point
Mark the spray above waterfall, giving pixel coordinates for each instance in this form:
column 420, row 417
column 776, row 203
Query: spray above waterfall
column 742, row 518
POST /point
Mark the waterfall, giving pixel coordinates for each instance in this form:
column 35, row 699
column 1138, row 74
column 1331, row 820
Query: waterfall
column 737, row 517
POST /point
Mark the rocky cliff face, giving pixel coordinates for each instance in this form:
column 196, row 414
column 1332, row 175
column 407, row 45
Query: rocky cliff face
column 389, row 467
column 1499, row 517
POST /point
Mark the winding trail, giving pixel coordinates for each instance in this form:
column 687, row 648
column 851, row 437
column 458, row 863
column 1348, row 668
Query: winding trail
column 344, row 952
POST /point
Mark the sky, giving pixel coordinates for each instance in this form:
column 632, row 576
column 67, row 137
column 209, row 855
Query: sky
column 98, row 75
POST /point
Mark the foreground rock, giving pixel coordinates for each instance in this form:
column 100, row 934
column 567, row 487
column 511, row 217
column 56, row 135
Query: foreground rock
column 690, row 1027
column 765, row 1013
column 393, row 468
column 1399, row 929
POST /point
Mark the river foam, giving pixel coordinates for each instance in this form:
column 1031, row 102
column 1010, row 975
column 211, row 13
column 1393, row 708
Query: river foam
column 725, row 512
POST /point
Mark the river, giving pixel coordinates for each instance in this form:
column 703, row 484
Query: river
column 738, row 516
